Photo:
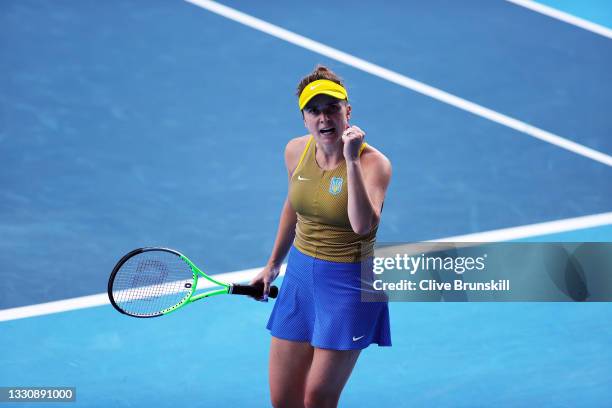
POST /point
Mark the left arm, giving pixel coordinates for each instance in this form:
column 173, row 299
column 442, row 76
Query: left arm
column 368, row 179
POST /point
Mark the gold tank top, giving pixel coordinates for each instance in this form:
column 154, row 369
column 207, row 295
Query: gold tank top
column 320, row 199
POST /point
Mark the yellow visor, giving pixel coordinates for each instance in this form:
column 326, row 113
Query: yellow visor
column 321, row 86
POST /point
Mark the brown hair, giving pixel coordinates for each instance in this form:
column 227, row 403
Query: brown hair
column 320, row 72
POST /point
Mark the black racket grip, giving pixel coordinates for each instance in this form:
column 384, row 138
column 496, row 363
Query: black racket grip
column 253, row 290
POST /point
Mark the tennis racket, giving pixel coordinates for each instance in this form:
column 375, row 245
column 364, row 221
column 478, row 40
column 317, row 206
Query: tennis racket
column 151, row 282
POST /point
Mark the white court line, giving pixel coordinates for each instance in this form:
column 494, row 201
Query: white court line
column 534, row 230
column 505, row 234
column 565, row 17
column 101, row 299
column 402, row 80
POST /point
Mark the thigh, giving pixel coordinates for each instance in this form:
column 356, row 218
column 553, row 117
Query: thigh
column 289, row 365
column 328, row 374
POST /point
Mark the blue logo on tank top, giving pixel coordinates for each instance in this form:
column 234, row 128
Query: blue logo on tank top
column 335, row 185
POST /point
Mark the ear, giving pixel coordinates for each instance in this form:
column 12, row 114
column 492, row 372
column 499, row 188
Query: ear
column 348, row 111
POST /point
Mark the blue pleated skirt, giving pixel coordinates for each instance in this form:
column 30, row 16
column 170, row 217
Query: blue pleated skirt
column 320, row 302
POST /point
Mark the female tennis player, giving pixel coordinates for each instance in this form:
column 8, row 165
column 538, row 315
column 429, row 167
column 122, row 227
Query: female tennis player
column 337, row 186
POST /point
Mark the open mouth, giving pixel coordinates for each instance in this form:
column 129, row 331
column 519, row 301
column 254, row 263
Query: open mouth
column 327, row 131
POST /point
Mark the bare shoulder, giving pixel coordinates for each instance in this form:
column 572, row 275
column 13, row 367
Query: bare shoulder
column 294, row 150
column 374, row 161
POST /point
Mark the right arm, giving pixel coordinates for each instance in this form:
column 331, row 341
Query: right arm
column 284, row 236
column 286, row 226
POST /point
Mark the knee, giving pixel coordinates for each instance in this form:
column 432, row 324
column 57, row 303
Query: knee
column 318, row 397
column 285, row 401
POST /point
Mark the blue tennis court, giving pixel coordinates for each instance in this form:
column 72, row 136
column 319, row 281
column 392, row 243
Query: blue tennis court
column 125, row 124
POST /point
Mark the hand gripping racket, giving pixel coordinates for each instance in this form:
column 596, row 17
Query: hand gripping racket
column 150, row 282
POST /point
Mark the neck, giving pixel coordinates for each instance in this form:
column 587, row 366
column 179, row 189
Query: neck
column 329, row 156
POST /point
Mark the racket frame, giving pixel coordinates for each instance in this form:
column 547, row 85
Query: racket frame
column 197, row 273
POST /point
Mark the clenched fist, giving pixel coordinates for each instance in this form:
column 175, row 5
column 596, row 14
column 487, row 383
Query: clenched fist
column 352, row 138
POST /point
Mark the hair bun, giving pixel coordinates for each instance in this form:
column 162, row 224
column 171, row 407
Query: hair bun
column 319, row 72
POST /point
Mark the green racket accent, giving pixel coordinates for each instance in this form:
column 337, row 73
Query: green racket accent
column 191, row 298
column 150, row 282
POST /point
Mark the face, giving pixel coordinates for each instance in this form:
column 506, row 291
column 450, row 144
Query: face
column 326, row 118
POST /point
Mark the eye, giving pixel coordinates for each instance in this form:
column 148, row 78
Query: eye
column 334, row 108
column 313, row 111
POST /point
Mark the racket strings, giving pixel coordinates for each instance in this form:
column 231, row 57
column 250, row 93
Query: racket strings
column 152, row 281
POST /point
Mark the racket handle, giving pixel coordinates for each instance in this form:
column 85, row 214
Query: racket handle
column 252, row 290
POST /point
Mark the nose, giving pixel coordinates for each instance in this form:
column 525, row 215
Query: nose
column 324, row 116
